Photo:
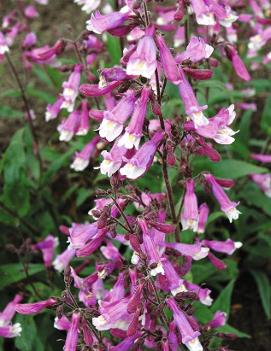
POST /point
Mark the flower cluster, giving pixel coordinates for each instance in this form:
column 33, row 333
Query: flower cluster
column 140, row 290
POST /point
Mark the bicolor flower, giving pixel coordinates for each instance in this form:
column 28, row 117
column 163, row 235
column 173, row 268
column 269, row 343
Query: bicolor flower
column 81, row 159
column 69, row 127
column 202, row 293
column 7, row 329
column 113, row 315
column 52, row 110
column 113, row 121
column 176, row 284
column 113, row 159
column 143, row 62
column 63, row 260
column 191, row 105
column 190, row 211
column 204, row 15
column 71, row 89
column 134, row 131
column 227, row 206
column 143, row 159
column 196, row 251
column 189, row 336
column 228, row 247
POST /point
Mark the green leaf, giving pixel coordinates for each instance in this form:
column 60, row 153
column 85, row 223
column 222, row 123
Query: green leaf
column 10, row 113
column 228, row 329
column 264, row 288
column 25, row 342
column 14, row 272
column 223, row 302
column 114, row 49
column 227, row 168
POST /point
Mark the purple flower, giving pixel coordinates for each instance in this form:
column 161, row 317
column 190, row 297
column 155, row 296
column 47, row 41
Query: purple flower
column 31, row 308
column 62, row 261
column 101, row 23
column 219, row 320
column 203, row 217
column 204, row 15
column 31, row 12
column 113, row 159
column 143, row 159
column 190, row 212
column 72, row 336
column 196, row 50
column 69, row 127
column 202, row 293
column 81, row 159
column 261, row 158
column 189, row 336
column 62, row 323
column 196, row 251
column 228, row 247
column 113, row 121
column 29, row 40
column 8, row 330
column 227, row 206
column 237, row 63
column 168, row 62
column 113, row 315
column 134, row 130
column 81, row 234
column 71, row 89
column 47, row 247
column 143, row 62
column 176, row 284
column 191, row 105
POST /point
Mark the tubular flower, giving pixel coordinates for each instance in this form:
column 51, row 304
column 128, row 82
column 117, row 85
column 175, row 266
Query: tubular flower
column 227, row 206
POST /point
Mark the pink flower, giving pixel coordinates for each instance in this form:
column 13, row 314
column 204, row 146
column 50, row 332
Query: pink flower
column 72, row 336
column 190, row 212
column 204, row 15
column 143, row 159
column 143, row 61
column 227, row 206
column 228, row 247
column 81, row 159
column 189, row 336
column 8, row 330
column 101, row 23
column 3, row 44
column 219, row 320
column 203, row 217
column 69, row 127
column 62, row 261
column 113, row 121
column 47, row 247
column 31, row 12
column 134, row 131
column 113, row 159
column 237, row 63
column 175, row 283
column 196, row 50
column 202, row 293
column 196, row 251
column 191, row 105
column 261, row 158
column 168, row 62
column 31, row 308
column 71, row 89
